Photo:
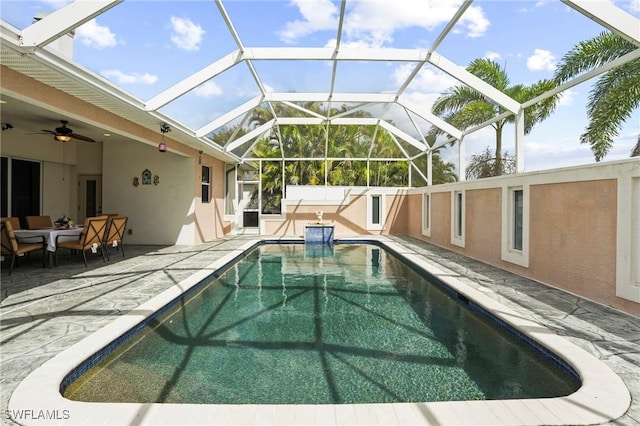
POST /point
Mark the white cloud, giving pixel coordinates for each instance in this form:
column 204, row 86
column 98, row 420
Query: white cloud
column 57, row 3
column 132, row 78
column 541, row 60
column 428, row 79
column 634, row 6
column 95, row 35
column 316, row 16
column 268, row 88
column 494, row 56
column 567, row 98
column 208, row 90
column 475, row 22
column 185, row 34
column 372, row 23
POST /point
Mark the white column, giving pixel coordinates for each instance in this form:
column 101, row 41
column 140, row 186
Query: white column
column 520, row 141
column 462, row 162
column 430, row 168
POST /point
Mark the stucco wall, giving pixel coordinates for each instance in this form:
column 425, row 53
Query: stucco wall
column 577, row 227
column 158, row 214
column 573, row 241
column 209, row 223
column 440, row 219
column 483, row 224
column 349, row 216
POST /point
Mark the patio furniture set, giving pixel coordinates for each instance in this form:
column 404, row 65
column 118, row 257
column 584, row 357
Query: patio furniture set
column 96, row 234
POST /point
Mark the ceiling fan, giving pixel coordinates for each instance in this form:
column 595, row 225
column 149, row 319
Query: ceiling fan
column 65, row 134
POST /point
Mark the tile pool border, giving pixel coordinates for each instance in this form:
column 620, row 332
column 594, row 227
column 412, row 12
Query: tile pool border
column 602, row 397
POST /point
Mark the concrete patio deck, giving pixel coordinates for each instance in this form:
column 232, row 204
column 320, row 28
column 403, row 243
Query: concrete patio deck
column 44, row 311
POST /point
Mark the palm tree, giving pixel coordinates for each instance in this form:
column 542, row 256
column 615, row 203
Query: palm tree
column 465, row 107
column 635, row 152
column 615, row 94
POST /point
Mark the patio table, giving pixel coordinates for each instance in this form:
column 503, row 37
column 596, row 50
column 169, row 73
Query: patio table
column 50, row 235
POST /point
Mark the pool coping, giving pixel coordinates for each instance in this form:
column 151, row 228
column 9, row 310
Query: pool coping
column 602, row 397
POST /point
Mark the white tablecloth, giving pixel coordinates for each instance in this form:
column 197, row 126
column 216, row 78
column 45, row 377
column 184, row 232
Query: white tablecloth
column 50, row 235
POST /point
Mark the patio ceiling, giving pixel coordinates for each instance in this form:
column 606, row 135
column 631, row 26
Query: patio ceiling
column 31, row 51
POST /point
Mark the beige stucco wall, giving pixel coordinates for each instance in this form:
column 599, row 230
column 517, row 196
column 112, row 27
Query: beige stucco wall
column 575, row 229
column 440, row 219
column 209, row 223
column 348, row 217
column 158, row 214
column 573, row 241
column 483, row 224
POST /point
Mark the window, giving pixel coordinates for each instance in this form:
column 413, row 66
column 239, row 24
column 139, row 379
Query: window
column 206, row 184
column 376, row 208
column 517, row 209
column 515, row 222
column 457, row 219
column 426, row 215
column 459, row 215
column 230, row 189
column 21, row 187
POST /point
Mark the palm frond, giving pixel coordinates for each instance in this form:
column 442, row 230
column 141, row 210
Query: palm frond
column 590, row 54
column 611, row 101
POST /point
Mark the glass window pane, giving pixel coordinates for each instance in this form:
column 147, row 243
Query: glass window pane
column 518, row 201
column 205, row 174
column 230, row 190
column 425, row 213
column 375, row 209
column 459, row 214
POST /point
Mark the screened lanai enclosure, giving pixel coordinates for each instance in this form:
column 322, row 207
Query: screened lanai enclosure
column 201, row 119
column 326, row 98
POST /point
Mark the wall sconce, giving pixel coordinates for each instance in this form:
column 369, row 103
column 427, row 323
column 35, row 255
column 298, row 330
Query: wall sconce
column 62, row 138
column 164, row 128
column 200, row 156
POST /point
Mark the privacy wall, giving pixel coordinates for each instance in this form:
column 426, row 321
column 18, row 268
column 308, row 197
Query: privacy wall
column 577, row 229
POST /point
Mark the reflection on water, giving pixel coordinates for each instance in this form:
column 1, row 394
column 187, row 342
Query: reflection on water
column 293, row 324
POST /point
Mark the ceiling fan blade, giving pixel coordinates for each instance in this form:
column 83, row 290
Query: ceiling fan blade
column 81, row 137
column 48, row 131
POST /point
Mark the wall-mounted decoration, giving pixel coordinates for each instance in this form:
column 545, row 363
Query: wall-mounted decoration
column 136, row 181
column 156, row 179
column 146, row 177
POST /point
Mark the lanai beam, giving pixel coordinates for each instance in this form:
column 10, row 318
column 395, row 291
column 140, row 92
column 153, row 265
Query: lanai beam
column 62, row 21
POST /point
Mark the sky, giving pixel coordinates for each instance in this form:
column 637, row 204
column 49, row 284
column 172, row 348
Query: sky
column 146, row 46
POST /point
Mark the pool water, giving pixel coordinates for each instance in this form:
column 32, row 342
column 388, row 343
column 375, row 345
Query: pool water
column 314, row 324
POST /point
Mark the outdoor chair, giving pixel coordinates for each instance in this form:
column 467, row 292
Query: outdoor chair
column 114, row 235
column 35, row 222
column 91, row 238
column 15, row 247
column 15, row 222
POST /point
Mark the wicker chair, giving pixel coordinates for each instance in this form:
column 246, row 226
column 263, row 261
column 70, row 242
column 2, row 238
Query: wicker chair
column 15, row 247
column 91, row 238
column 35, row 222
column 114, row 235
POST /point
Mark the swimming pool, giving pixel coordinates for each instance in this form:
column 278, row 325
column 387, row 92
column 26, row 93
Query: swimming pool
column 319, row 324
column 601, row 397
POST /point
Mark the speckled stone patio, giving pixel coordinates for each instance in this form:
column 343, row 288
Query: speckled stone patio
column 44, row 311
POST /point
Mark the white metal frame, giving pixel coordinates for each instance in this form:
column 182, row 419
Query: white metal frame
column 34, row 39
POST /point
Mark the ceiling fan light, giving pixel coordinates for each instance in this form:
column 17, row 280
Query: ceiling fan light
column 62, row 138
